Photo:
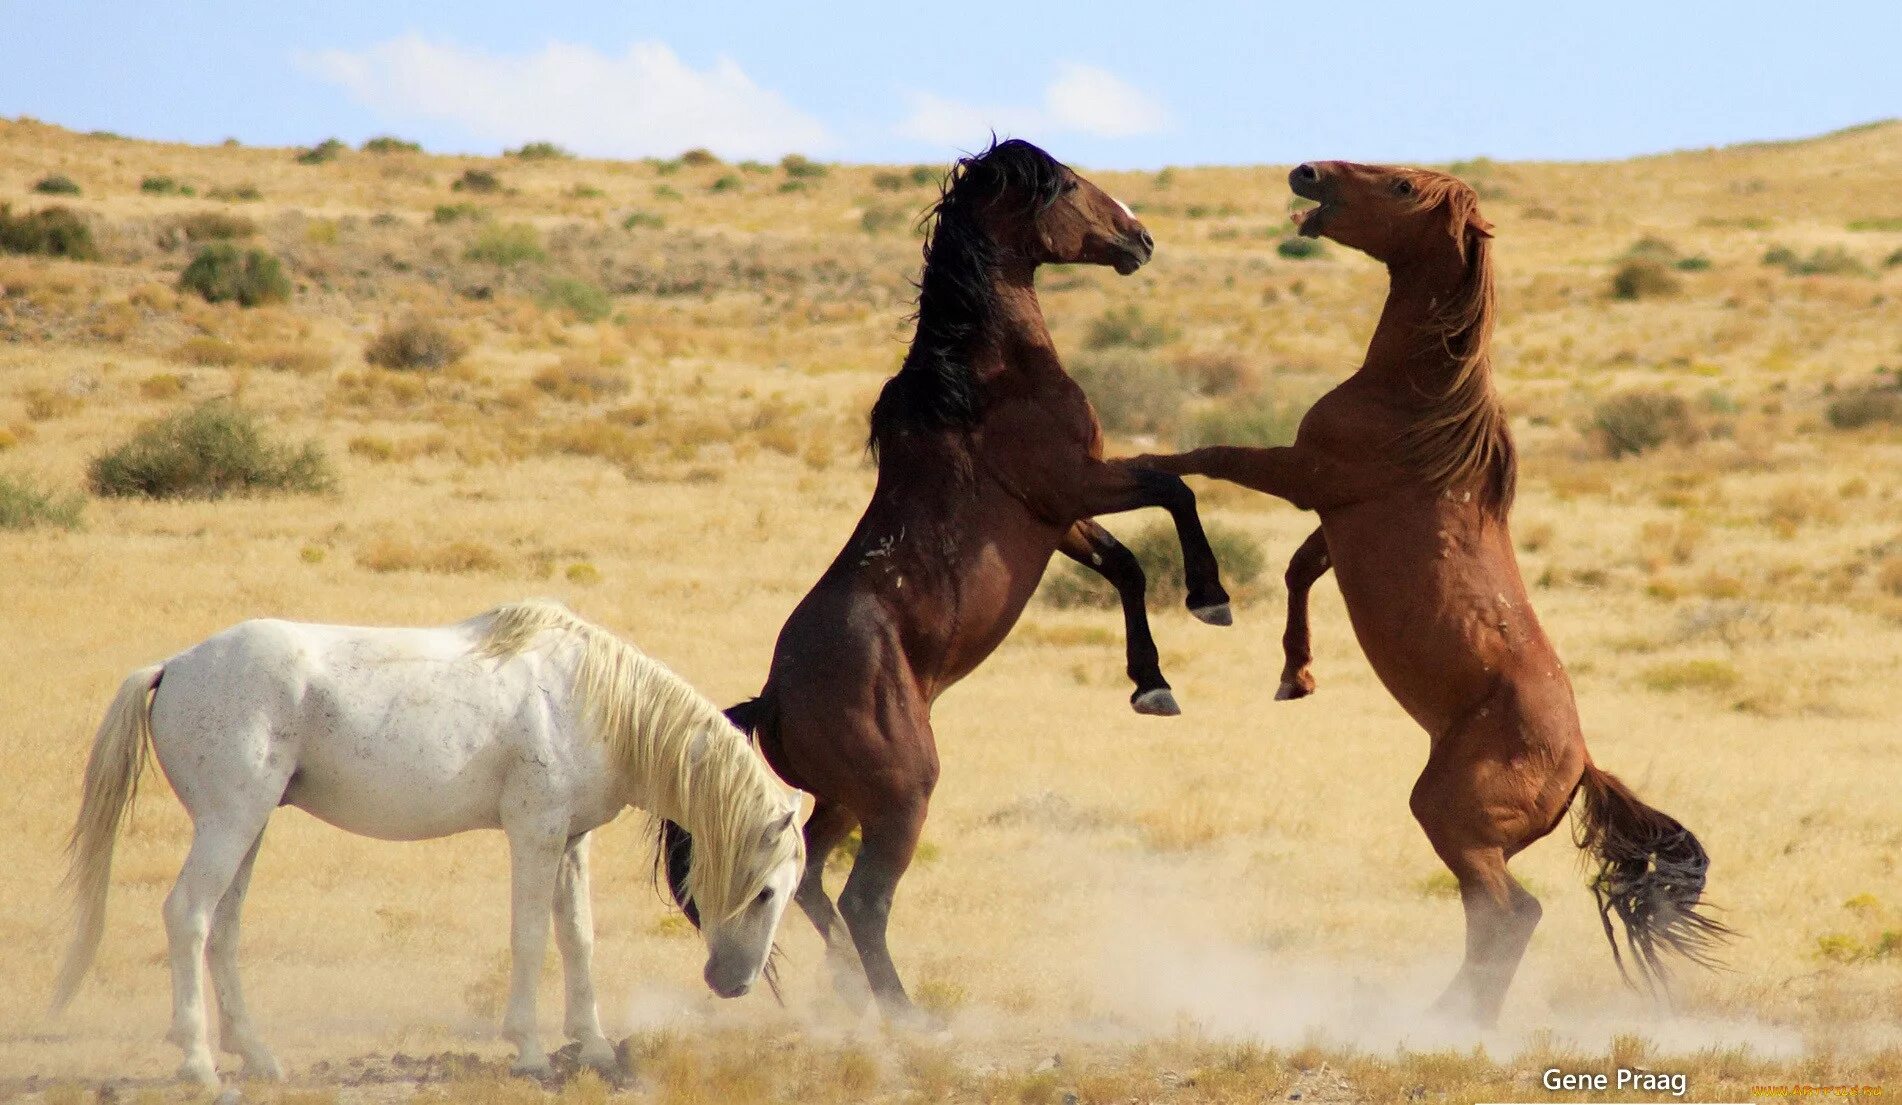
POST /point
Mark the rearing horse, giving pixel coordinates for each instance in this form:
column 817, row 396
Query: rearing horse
column 989, row 457
column 1411, row 467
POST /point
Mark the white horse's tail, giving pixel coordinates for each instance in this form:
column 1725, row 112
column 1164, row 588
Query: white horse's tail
column 112, row 780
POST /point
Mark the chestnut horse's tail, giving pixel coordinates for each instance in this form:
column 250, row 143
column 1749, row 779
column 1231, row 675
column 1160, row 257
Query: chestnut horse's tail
column 674, row 845
column 1651, row 873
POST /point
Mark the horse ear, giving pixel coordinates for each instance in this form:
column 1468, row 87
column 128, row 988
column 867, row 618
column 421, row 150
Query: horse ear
column 779, row 826
column 1477, row 224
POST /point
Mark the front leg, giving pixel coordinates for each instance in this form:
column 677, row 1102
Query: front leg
column 1117, row 485
column 1098, row 550
column 574, row 935
column 1309, row 563
column 1304, row 476
column 536, row 844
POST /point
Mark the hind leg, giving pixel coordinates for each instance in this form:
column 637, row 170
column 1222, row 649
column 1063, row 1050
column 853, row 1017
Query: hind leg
column 828, row 825
column 885, row 851
column 1309, row 563
column 574, row 935
column 219, row 847
column 1480, row 800
column 235, row 1030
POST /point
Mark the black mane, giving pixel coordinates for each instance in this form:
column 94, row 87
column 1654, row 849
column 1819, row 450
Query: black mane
column 935, row 389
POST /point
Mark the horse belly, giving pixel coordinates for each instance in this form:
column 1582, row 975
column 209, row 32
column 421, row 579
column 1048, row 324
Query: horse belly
column 389, row 754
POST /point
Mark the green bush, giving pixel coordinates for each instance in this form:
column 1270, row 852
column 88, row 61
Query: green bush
column 239, row 193
column 52, row 232
column 58, row 184
column 327, row 150
column 1298, row 248
column 207, row 452
column 216, row 226
column 415, row 344
column 802, row 167
column 1865, row 407
column 756, row 168
column 221, row 272
column 538, row 151
column 1639, row 421
column 480, row 181
column 585, row 300
column 1645, row 279
column 1695, row 263
column 1893, row 260
column 446, row 213
column 1652, row 248
column 159, row 186
column 878, row 220
column 1884, row 224
column 1825, row 261
column 727, row 183
column 1160, row 551
column 926, row 174
column 1132, row 391
column 26, row 505
column 642, row 220
column 1128, row 327
column 507, row 245
column 889, row 181
column 1256, row 421
column 700, row 156
column 385, row 143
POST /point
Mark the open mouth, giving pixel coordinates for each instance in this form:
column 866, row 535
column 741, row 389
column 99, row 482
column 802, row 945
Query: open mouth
column 1308, row 221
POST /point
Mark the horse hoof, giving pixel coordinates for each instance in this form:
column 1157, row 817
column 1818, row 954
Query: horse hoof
column 529, row 1068
column 1160, row 702
column 1218, row 614
column 1290, row 690
column 264, row 1068
column 201, row 1071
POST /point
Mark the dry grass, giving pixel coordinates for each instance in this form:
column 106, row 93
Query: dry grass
column 1231, row 906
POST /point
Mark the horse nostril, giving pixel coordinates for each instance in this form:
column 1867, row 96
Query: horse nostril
column 1148, row 242
column 1306, row 171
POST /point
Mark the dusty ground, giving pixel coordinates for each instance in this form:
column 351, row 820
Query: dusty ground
column 1229, row 906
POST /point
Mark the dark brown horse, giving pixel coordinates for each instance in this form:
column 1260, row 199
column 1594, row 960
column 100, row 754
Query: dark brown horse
column 1411, row 468
column 989, row 457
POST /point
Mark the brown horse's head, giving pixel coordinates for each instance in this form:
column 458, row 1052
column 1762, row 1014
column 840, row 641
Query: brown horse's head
column 1036, row 208
column 1391, row 214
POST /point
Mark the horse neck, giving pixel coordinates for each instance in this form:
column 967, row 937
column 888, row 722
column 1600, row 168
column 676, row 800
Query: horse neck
column 1017, row 341
column 1405, row 355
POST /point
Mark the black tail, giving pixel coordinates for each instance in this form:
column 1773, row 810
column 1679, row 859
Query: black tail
column 1651, row 873
column 673, row 854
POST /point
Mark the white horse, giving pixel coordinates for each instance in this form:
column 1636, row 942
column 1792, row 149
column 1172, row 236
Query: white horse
column 525, row 718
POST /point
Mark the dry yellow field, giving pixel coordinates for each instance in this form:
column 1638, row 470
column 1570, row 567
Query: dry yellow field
column 1229, row 906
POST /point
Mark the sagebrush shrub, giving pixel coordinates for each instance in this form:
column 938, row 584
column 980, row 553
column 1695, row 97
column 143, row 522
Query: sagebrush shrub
column 415, row 344
column 1865, row 407
column 223, row 273
column 802, row 167
column 1643, row 279
column 480, row 181
column 1129, row 327
column 208, row 452
column 327, row 150
column 385, row 143
column 507, row 245
column 1639, row 421
column 216, row 226
column 538, row 151
column 50, row 232
column 1258, row 420
column 585, row 300
column 159, row 186
column 56, row 184
column 1298, row 248
column 700, row 156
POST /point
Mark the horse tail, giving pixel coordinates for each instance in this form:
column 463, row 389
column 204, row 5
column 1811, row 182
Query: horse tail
column 112, row 782
column 1651, row 873
column 674, row 845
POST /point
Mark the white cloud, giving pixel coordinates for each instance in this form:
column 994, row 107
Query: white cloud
column 646, row 101
column 1081, row 99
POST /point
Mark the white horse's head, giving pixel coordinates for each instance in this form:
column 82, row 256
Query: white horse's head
column 739, row 943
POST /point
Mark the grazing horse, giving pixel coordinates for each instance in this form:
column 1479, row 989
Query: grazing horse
column 525, row 718
column 989, row 456
column 1411, row 467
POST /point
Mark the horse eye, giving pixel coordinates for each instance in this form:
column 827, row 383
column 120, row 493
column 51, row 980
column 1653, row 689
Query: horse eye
column 1403, row 187
column 765, row 896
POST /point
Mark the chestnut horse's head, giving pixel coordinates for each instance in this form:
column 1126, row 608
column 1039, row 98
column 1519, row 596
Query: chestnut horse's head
column 1391, row 214
column 1036, row 208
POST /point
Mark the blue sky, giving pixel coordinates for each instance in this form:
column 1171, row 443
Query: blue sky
column 1114, row 85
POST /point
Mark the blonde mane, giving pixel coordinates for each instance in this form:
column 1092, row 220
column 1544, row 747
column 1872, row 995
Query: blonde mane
column 697, row 768
column 1463, row 437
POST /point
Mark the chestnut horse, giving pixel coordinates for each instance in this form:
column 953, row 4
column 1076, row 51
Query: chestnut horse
column 989, row 457
column 1411, row 467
